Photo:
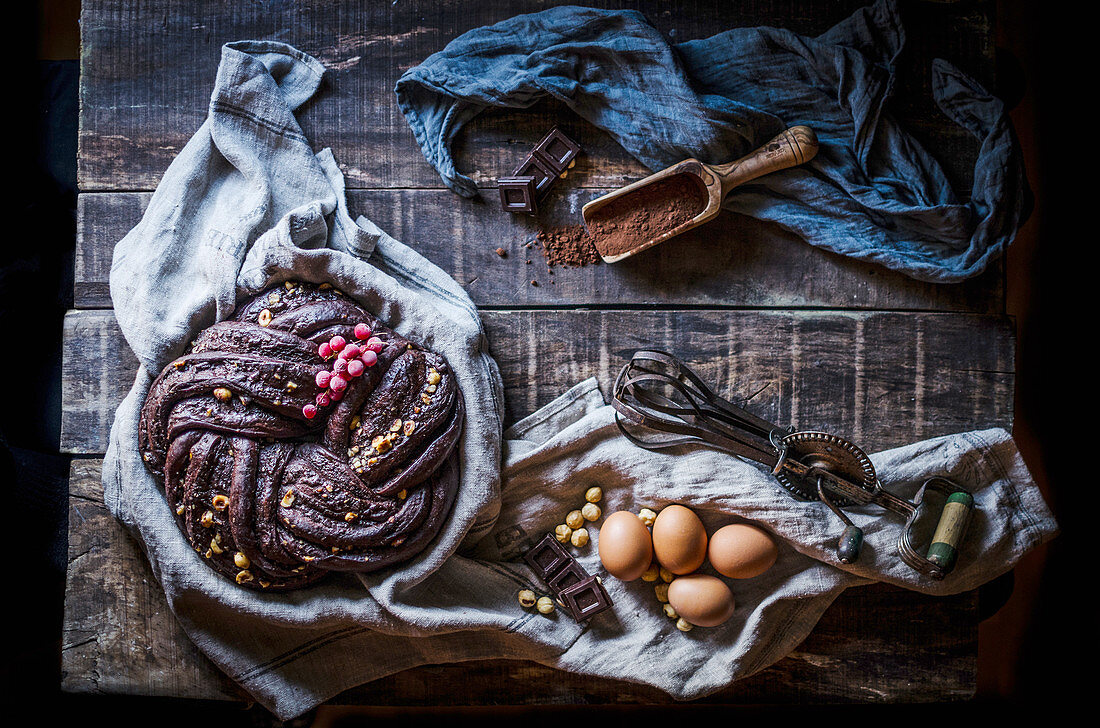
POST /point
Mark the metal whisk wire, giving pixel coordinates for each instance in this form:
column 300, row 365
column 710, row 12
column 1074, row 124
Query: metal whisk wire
column 691, row 412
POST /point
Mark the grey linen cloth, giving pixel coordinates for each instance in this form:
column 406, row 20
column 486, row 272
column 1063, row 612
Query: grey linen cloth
column 247, row 203
column 872, row 192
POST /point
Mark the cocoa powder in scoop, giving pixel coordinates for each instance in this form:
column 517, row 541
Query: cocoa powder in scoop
column 644, row 214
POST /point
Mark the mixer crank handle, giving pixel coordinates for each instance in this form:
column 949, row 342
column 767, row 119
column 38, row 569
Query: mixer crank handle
column 851, row 541
column 790, row 148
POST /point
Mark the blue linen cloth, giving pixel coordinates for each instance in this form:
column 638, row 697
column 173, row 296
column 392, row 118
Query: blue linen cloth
column 872, row 192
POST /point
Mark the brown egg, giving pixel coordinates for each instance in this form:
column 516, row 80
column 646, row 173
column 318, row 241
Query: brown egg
column 741, row 551
column 626, row 548
column 702, row 600
column 679, row 540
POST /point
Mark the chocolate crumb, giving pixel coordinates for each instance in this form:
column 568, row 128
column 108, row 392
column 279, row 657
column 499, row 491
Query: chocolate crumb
column 534, row 283
column 502, row 252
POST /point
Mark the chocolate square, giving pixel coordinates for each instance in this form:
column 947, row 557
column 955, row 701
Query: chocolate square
column 557, row 150
column 570, row 574
column 517, row 194
column 585, row 599
column 543, row 173
column 547, row 557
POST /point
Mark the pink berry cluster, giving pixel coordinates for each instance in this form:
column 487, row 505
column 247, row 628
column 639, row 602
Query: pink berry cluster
column 350, row 361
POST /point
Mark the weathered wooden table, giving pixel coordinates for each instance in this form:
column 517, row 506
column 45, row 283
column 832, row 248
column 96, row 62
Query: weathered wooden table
column 844, row 346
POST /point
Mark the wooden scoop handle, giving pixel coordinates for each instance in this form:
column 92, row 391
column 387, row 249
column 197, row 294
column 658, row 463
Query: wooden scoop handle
column 792, row 147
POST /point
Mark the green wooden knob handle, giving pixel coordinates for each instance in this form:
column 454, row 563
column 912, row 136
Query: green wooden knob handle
column 851, row 541
column 944, row 549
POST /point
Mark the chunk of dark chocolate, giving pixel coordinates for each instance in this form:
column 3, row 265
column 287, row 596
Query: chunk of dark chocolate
column 544, row 174
column 557, row 150
column 547, row 557
column 518, row 194
column 570, row 574
column 585, row 599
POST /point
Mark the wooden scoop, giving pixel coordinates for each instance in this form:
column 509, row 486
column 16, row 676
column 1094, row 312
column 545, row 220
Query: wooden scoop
column 794, row 146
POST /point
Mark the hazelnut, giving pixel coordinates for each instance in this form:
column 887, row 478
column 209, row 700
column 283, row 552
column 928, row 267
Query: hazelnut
column 647, row 516
column 574, row 519
column 563, row 533
column 222, row 394
column 683, row 625
column 670, row 611
column 661, row 590
column 579, row 538
column 666, row 575
column 220, row 502
column 527, row 598
column 244, row 576
column 207, row 519
column 241, row 560
column 545, row 605
column 593, row 494
column 288, row 499
column 215, row 545
column 591, row 512
column 264, row 319
column 650, row 574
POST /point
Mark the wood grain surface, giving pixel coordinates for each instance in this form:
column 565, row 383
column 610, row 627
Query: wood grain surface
column 840, row 345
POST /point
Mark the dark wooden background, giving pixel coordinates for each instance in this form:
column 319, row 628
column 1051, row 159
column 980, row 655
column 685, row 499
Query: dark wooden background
column 847, row 346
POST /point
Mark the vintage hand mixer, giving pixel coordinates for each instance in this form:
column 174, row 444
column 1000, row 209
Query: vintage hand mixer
column 657, row 393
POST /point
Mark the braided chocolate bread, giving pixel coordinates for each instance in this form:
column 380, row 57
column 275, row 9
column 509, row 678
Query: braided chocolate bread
column 302, row 437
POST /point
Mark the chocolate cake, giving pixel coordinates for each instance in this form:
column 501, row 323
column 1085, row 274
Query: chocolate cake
column 301, row 437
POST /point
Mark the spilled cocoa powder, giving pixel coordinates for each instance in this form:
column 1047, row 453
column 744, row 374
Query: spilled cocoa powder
column 646, row 213
column 569, row 246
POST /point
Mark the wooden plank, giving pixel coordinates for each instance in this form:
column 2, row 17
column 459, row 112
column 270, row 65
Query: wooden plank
column 733, row 261
column 119, row 637
column 147, row 70
column 883, row 379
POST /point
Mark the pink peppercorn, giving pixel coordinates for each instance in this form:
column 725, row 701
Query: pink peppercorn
column 350, row 351
column 369, row 358
column 337, row 383
column 310, row 411
column 339, row 366
column 355, row 368
column 323, row 399
column 337, row 343
column 322, row 379
column 336, row 396
column 362, row 331
column 375, row 344
column 324, row 350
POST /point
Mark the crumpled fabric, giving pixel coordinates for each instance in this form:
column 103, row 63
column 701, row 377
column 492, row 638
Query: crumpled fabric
column 872, row 193
column 247, row 204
